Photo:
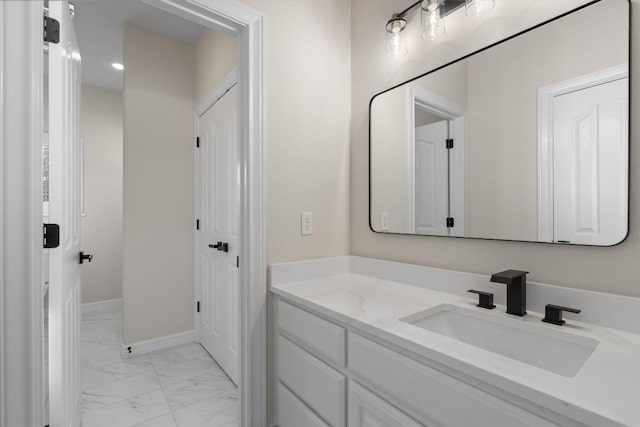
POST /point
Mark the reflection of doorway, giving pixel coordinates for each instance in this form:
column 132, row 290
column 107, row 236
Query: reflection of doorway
column 583, row 159
column 437, row 164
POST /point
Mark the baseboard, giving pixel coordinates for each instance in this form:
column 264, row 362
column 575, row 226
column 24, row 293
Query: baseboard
column 155, row 344
column 100, row 304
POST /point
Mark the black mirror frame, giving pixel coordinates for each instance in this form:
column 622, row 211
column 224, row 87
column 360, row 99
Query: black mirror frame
column 586, row 5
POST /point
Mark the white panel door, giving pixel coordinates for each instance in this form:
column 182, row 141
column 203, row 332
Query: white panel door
column 219, row 214
column 432, row 179
column 590, row 168
column 64, row 209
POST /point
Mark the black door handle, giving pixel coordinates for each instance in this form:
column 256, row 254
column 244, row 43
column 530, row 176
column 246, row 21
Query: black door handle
column 224, row 247
column 84, row 257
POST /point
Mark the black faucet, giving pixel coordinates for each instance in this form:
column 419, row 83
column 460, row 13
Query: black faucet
column 516, row 282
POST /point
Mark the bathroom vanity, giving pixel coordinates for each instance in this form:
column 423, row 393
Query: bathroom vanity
column 362, row 342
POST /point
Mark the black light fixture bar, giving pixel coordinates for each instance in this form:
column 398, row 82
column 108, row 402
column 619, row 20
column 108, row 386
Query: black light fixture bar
column 450, row 6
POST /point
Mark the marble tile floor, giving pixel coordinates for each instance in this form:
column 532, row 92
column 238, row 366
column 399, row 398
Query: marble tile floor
column 177, row 387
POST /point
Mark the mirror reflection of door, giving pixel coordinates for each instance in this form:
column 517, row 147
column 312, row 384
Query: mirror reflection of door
column 432, row 177
column 590, row 164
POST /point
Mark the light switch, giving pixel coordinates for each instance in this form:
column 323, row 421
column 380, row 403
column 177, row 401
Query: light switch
column 384, row 221
column 306, row 222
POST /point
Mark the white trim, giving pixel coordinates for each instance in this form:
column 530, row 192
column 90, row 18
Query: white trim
column 90, row 306
column 3, row 362
column 435, row 103
column 546, row 97
column 223, row 87
column 21, row 85
column 155, row 344
column 247, row 25
column 458, row 176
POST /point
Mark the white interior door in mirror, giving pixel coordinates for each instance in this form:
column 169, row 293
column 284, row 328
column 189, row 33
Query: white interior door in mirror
column 590, row 168
column 219, row 201
column 432, row 179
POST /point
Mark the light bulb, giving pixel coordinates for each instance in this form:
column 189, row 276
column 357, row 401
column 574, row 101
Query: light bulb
column 118, row 66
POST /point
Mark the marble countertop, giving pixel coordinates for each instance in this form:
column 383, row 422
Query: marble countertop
column 605, row 391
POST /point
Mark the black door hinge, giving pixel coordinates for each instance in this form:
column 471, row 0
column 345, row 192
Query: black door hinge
column 238, row 261
column 51, row 236
column 450, row 222
column 197, row 142
column 449, row 144
column 197, row 224
column 198, row 306
column 51, row 31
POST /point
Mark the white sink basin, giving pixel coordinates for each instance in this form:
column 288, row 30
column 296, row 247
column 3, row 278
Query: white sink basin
column 538, row 345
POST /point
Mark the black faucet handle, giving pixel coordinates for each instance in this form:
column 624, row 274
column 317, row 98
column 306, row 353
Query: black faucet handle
column 553, row 314
column 486, row 299
column 508, row 276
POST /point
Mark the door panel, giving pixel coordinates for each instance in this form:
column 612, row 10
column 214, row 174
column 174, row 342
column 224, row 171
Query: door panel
column 219, row 206
column 64, row 209
column 432, row 179
column 591, row 164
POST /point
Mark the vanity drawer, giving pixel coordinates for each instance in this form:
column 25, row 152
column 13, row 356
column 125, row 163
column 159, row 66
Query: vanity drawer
column 367, row 409
column 433, row 396
column 322, row 338
column 292, row 412
column 317, row 384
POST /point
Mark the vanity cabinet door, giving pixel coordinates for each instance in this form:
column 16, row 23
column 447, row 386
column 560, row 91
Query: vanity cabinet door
column 321, row 337
column 318, row 385
column 368, row 410
column 434, row 397
column 292, row 412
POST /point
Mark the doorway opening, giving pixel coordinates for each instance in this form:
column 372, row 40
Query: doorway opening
column 139, row 342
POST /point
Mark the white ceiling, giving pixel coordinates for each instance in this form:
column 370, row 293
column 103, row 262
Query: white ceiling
column 99, row 25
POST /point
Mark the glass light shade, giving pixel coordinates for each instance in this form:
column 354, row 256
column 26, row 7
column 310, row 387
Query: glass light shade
column 479, row 7
column 432, row 23
column 396, row 37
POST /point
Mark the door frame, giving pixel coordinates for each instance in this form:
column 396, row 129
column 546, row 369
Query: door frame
column 220, row 90
column 21, row 89
column 546, row 96
column 458, row 174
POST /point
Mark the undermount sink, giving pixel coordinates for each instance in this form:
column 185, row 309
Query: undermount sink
column 555, row 351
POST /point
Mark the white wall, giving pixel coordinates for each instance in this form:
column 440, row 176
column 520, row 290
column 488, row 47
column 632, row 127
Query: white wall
column 613, row 269
column 215, row 58
column 159, row 103
column 308, row 101
column 101, row 129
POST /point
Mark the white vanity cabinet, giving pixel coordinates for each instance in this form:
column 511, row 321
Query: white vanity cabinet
column 330, row 375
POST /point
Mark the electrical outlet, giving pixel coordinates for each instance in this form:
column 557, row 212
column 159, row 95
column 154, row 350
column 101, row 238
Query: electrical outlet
column 384, row 221
column 306, row 223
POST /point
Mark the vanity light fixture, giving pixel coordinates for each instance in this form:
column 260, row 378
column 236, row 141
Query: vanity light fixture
column 432, row 19
column 479, row 7
column 432, row 14
column 396, row 36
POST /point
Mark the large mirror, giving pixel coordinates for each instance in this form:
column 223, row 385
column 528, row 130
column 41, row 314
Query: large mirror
column 526, row 140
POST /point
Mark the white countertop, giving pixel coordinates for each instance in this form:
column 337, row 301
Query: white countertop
column 607, row 386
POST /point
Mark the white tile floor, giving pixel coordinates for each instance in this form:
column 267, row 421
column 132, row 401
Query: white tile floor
column 177, row 387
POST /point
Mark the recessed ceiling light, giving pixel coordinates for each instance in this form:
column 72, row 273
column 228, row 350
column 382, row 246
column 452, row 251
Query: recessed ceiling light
column 118, row 66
